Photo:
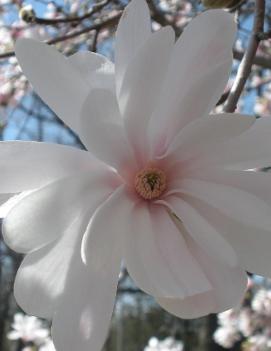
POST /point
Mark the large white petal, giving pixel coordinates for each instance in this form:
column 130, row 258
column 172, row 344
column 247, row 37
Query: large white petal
column 141, row 87
column 202, row 59
column 56, row 81
column 28, row 165
column 251, row 244
column 249, row 150
column 201, row 231
column 83, row 315
column 45, row 214
column 41, row 278
column 228, row 288
column 157, row 257
column 204, row 134
column 133, row 30
column 95, row 69
column 102, row 130
column 233, row 202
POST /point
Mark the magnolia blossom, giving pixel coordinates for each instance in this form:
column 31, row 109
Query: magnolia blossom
column 163, row 185
column 27, row 328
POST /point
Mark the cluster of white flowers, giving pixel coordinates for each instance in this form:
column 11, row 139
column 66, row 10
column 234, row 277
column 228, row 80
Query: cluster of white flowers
column 168, row 344
column 30, row 329
column 250, row 324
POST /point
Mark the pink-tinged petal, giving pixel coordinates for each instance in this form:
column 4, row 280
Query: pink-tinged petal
column 83, row 322
column 141, row 87
column 29, row 165
column 157, row 257
column 204, row 134
column 56, row 81
column 207, row 237
column 251, row 244
column 250, row 150
column 233, row 202
column 102, row 129
column 41, row 278
column 202, row 57
column 133, row 30
column 45, row 214
column 95, row 69
column 228, row 288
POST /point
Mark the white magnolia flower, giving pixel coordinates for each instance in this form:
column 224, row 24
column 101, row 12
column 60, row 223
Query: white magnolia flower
column 27, row 328
column 154, row 150
column 226, row 337
column 261, row 302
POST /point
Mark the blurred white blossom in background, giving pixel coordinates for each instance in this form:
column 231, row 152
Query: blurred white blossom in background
column 168, row 344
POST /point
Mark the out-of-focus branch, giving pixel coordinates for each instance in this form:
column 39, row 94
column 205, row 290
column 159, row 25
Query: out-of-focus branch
column 247, row 61
column 261, row 61
column 75, row 19
column 107, row 23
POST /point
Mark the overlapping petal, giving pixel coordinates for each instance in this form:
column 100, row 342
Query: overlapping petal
column 102, row 129
column 202, row 57
column 141, row 87
column 233, row 202
column 205, row 134
column 97, row 71
column 208, row 238
column 157, row 257
column 29, row 165
column 228, row 288
column 133, row 30
column 45, row 214
column 249, row 150
column 251, row 243
column 41, row 278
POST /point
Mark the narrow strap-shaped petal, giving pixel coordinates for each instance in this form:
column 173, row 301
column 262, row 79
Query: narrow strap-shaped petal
column 102, row 130
column 228, row 288
column 82, row 323
column 204, row 134
column 201, row 231
column 133, row 30
column 233, row 202
column 157, row 257
column 141, row 87
column 45, row 214
column 56, row 81
column 202, row 57
column 250, row 150
column 28, row 165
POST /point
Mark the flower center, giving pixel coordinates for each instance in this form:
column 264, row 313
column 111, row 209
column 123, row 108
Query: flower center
column 150, row 183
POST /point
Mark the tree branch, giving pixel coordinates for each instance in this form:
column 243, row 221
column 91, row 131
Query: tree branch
column 248, row 58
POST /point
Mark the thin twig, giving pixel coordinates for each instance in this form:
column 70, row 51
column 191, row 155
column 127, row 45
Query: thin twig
column 247, row 61
column 74, row 19
column 111, row 21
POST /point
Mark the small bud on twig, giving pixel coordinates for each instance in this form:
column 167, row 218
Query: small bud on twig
column 27, row 14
